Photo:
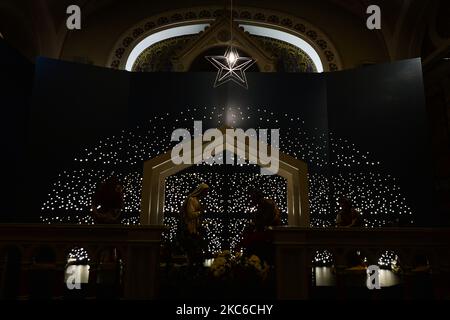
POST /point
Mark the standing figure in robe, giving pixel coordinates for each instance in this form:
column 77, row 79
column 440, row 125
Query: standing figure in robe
column 257, row 238
column 192, row 231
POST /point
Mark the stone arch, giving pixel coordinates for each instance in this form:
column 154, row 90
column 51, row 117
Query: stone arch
column 296, row 26
column 156, row 171
column 44, row 253
column 322, row 256
column 70, row 250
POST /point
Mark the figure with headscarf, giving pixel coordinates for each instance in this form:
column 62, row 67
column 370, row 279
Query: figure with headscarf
column 191, row 220
column 347, row 216
column 257, row 239
column 107, row 208
column 267, row 212
column 192, row 209
column 108, row 202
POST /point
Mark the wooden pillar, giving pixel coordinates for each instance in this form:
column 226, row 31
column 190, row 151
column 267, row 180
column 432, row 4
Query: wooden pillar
column 142, row 272
column 10, row 271
column 408, row 283
column 292, row 273
column 441, row 275
column 340, row 266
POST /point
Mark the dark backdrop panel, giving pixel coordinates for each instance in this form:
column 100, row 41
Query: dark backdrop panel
column 73, row 106
column 16, row 78
column 382, row 109
column 155, row 93
column 301, row 95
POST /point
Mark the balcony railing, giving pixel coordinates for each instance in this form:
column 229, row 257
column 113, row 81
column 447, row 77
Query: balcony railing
column 30, row 252
column 42, row 251
column 295, row 249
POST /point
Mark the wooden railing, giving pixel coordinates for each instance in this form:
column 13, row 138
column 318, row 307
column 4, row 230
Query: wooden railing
column 295, row 248
column 139, row 250
column 137, row 246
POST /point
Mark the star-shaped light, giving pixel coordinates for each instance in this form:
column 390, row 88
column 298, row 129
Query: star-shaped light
column 231, row 67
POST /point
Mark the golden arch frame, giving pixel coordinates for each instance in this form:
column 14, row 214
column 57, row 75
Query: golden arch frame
column 156, row 171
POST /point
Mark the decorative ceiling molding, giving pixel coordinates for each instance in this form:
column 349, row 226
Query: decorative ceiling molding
column 219, row 33
column 243, row 15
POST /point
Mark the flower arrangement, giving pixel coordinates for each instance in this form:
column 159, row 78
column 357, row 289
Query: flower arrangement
column 229, row 265
column 235, row 276
column 222, row 264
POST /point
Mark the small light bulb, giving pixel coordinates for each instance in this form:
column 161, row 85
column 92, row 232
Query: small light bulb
column 231, row 58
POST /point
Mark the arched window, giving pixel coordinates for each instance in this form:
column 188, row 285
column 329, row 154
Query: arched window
column 77, row 267
column 289, row 47
column 161, row 36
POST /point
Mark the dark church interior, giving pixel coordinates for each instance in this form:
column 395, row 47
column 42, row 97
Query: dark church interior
column 225, row 150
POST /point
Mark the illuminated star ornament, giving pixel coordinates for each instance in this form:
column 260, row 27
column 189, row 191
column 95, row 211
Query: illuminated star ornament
column 231, row 67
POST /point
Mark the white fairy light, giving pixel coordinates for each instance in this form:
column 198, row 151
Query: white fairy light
column 374, row 193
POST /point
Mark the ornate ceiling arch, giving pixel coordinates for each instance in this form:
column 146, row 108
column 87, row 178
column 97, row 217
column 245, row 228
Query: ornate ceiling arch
column 243, row 15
